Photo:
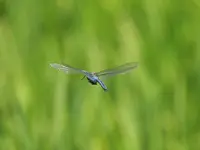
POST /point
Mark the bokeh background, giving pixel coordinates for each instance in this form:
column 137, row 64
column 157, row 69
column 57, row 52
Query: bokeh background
column 155, row 107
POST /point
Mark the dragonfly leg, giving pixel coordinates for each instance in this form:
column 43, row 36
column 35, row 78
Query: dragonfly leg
column 83, row 78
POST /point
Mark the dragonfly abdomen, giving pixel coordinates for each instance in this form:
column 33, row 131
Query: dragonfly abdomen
column 102, row 85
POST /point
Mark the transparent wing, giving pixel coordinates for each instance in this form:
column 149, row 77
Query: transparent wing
column 118, row 70
column 68, row 69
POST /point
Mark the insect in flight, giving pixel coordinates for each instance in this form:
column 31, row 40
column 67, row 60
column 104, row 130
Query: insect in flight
column 96, row 77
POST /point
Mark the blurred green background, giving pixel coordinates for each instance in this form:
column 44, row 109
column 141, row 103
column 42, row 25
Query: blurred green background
column 155, row 107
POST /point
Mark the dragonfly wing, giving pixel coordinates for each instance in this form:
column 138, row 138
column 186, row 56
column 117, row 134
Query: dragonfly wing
column 118, row 70
column 68, row 69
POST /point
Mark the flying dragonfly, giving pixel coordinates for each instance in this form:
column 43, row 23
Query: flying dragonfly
column 96, row 77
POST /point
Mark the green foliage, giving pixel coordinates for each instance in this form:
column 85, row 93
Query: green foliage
column 155, row 107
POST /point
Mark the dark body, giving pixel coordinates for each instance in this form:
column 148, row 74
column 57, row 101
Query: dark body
column 93, row 79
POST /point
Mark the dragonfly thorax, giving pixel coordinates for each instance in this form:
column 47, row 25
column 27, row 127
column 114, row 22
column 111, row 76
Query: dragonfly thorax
column 92, row 79
column 93, row 82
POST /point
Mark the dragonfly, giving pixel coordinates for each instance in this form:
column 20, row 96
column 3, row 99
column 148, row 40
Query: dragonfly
column 96, row 77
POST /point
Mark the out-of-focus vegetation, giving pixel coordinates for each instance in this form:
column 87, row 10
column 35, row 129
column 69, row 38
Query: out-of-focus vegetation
column 155, row 107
